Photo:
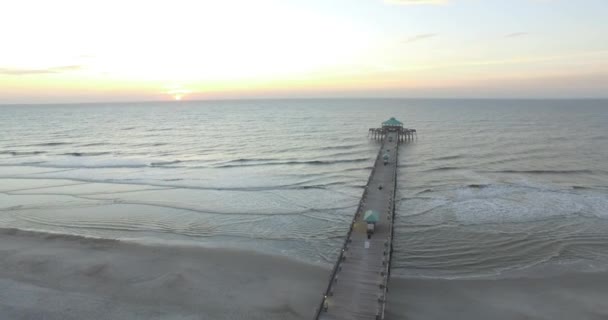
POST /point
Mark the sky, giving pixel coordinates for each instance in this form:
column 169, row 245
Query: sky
column 130, row 50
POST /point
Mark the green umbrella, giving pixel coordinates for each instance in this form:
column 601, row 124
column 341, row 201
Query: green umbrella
column 371, row 216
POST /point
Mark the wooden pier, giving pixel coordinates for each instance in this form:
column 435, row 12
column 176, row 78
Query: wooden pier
column 358, row 283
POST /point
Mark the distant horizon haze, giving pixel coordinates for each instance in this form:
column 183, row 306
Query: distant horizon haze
column 329, row 99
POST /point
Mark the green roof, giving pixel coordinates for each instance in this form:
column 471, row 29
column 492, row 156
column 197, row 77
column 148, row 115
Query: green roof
column 392, row 122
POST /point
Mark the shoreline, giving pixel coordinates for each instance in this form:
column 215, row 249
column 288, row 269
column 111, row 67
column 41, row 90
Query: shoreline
column 151, row 242
column 71, row 277
column 57, row 276
column 147, row 214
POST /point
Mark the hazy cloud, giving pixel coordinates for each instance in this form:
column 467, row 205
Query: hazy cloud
column 22, row 71
column 516, row 34
column 415, row 2
column 420, row 37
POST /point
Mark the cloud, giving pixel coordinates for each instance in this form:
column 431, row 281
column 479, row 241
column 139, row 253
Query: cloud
column 516, row 34
column 420, row 37
column 22, row 71
column 416, row 2
column 580, row 56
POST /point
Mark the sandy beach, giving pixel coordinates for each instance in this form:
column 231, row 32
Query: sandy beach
column 48, row 276
column 45, row 276
column 565, row 297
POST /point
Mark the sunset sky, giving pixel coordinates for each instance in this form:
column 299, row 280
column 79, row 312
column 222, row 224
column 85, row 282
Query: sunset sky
column 72, row 51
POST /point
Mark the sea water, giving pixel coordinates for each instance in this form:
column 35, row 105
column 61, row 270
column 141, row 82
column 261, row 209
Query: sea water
column 489, row 187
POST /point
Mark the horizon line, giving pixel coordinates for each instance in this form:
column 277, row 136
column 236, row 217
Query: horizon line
column 302, row 98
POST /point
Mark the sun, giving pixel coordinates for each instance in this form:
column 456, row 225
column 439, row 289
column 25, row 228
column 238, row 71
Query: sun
column 177, row 92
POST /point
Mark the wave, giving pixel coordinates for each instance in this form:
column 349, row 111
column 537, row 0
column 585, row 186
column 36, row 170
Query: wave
column 359, row 169
column 532, row 172
column 85, row 154
column 478, row 186
column 245, row 160
column 92, row 160
column 428, row 190
column 151, row 144
column 444, row 169
column 162, row 183
column 49, row 144
column 448, row 157
column 231, row 164
column 461, row 251
column 256, row 225
column 344, row 154
column 99, row 165
column 192, row 242
column 164, row 163
column 22, row 153
column 46, row 234
column 93, row 144
column 483, row 204
column 339, row 147
column 539, row 172
column 581, row 188
column 73, row 154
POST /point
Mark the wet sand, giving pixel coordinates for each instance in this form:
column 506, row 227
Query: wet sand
column 45, row 276
column 580, row 296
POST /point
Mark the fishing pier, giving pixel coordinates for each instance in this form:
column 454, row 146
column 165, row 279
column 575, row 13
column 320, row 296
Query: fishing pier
column 358, row 283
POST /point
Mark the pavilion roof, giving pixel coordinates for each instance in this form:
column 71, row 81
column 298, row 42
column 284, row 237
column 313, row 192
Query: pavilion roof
column 392, row 122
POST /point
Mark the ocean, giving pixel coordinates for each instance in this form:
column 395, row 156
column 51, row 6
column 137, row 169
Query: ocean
column 489, row 189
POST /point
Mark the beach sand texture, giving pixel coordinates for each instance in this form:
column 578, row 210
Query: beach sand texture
column 46, row 276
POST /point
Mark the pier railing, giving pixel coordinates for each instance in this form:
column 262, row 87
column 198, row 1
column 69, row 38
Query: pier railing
column 342, row 252
column 386, row 266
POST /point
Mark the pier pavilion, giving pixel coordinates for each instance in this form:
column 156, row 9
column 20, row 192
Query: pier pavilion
column 392, row 125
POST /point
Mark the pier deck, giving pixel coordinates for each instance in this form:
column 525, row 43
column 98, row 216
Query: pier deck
column 357, row 288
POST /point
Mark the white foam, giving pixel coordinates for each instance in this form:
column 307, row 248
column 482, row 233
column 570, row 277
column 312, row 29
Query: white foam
column 505, row 204
column 516, row 204
column 94, row 162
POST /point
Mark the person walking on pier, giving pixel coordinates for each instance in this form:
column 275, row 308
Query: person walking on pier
column 371, row 217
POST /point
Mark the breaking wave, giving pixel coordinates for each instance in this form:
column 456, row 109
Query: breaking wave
column 539, row 172
column 85, row 154
column 274, row 162
column 22, row 153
